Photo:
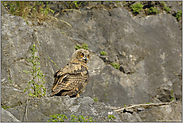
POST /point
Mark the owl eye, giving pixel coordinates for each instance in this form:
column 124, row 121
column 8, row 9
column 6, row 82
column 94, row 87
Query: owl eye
column 82, row 55
column 88, row 56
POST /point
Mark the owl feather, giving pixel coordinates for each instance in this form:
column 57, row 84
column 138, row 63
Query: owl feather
column 72, row 79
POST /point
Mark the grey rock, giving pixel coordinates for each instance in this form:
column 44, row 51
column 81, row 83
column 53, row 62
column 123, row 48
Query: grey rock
column 165, row 113
column 39, row 110
column 128, row 117
column 7, row 116
column 148, row 50
column 138, row 45
column 162, row 113
column 12, row 96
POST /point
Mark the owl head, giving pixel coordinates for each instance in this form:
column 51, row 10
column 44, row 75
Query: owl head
column 81, row 55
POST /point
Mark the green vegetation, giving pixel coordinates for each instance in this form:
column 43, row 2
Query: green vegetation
column 105, row 94
column 167, row 9
column 84, row 46
column 10, row 81
column 76, row 3
column 124, row 105
column 149, row 103
column 61, row 117
column 95, row 99
column 115, row 65
column 57, row 118
column 178, row 16
column 111, row 117
column 172, row 97
column 26, row 9
column 85, row 119
column 103, row 53
column 32, row 10
column 73, row 118
column 73, row 4
column 124, row 2
column 137, row 7
column 153, row 10
column 5, row 107
column 37, row 87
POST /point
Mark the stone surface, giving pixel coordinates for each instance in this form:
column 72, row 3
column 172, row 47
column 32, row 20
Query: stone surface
column 41, row 109
column 161, row 113
column 7, row 116
column 165, row 113
column 148, row 50
column 138, row 45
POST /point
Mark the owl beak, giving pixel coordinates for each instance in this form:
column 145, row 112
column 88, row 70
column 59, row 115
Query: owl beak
column 85, row 58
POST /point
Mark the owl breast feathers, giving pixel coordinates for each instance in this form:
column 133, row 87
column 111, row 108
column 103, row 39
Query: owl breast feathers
column 72, row 79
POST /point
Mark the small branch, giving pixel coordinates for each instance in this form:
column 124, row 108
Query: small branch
column 53, row 61
column 139, row 105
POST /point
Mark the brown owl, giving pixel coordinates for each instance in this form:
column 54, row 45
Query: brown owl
column 72, row 79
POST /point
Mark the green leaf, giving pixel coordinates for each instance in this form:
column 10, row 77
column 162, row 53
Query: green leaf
column 77, row 47
column 90, row 119
column 73, row 118
column 26, row 71
column 115, row 65
column 85, row 46
column 49, row 120
column 10, row 81
column 81, row 118
column 103, row 53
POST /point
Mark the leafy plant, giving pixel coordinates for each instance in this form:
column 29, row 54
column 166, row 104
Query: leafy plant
column 178, row 15
column 115, row 65
column 110, row 116
column 10, row 81
column 105, row 94
column 172, row 97
column 38, row 87
column 137, row 7
column 57, row 118
column 61, row 117
column 124, row 2
column 73, row 4
column 28, row 9
column 73, row 118
column 153, row 10
column 84, row 46
column 95, row 99
column 103, row 53
column 85, row 119
column 167, row 9
column 5, row 107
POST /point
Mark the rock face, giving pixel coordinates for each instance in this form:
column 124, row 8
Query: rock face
column 147, row 49
column 138, row 44
column 149, row 113
column 40, row 109
column 7, row 116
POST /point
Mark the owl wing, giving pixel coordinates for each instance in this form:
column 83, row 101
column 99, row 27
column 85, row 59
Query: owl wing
column 65, row 78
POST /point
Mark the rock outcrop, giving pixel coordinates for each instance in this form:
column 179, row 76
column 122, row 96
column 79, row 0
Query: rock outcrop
column 147, row 49
column 40, row 109
column 7, row 116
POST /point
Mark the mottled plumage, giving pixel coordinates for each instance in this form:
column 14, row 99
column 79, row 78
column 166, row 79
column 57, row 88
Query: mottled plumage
column 72, row 79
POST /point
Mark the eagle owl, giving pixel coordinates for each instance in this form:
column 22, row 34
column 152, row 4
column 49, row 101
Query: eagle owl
column 72, row 79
